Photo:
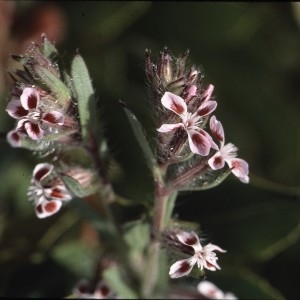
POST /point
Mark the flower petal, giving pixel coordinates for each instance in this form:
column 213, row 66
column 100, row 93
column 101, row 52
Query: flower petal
column 182, row 267
column 15, row 109
column 209, row 257
column 54, row 117
column 21, row 125
column 198, row 142
column 58, row 192
column 206, row 108
column 34, row 131
column 190, row 239
column 230, row 296
column 217, row 161
column 30, row 98
column 164, row 128
column 41, row 171
column 209, row 290
column 35, row 194
column 191, row 92
column 210, row 263
column 239, row 168
column 217, row 129
column 174, row 103
column 47, row 208
column 208, row 92
column 211, row 247
column 14, row 138
column 212, row 143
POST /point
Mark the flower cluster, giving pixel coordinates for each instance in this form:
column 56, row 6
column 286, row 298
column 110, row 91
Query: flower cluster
column 183, row 108
column 46, row 122
column 42, row 115
column 200, row 142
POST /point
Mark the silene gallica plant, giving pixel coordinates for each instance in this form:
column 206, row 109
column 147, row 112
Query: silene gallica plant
column 57, row 118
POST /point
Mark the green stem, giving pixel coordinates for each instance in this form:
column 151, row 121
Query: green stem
column 163, row 207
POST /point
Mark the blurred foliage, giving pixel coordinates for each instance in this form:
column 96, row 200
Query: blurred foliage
column 250, row 52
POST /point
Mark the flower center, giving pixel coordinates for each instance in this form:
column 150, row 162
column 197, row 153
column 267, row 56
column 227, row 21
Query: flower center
column 190, row 121
column 34, row 116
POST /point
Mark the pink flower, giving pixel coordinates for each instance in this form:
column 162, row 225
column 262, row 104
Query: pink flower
column 32, row 114
column 210, row 291
column 47, row 191
column 200, row 141
column 227, row 153
column 204, row 257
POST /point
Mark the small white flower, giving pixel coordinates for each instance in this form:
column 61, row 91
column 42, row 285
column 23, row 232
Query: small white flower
column 46, row 193
column 32, row 115
column 204, row 257
column 200, row 141
column 210, row 291
column 227, row 153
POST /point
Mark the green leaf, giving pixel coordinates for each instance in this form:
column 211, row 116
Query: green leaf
column 194, row 174
column 162, row 275
column 84, row 92
column 54, row 84
column 137, row 235
column 48, row 48
column 73, row 185
column 140, row 136
column 75, row 256
column 206, row 183
column 117, row 283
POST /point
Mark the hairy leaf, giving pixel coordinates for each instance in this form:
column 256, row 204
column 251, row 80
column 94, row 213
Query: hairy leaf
column 140, row 136
column 84, row 92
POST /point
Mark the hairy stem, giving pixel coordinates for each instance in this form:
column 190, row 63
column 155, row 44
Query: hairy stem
column 163, row 207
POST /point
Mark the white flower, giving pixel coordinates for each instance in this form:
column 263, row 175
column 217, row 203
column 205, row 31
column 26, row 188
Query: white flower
column 227, row 153
column 32, row 115
column 204, row 257
column 200, row 141
column 210, row 291
column 46, row 193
